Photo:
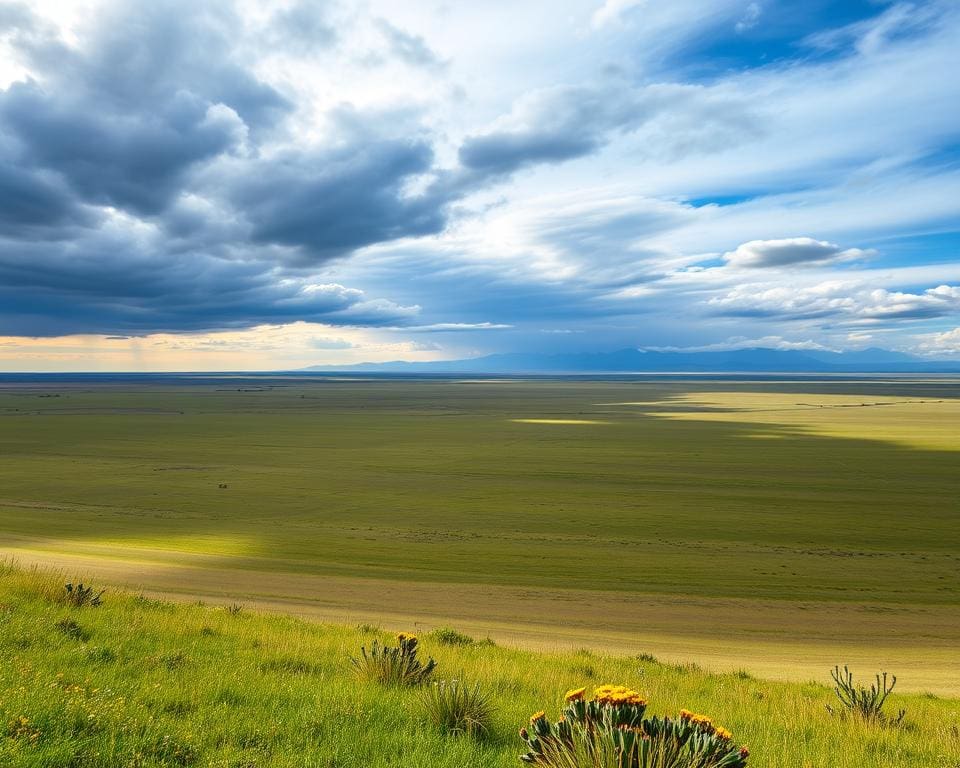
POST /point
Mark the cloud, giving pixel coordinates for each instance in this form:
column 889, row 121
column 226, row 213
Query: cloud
column 118, row 280
column 37, row 204
column 939, row 344
column 870, row 36
column 189, row 167
column 741, row 342
column 409, row 48
column 611, row 10
column 791, row 251
column 333, row 201
column 750, row 18
column 328, row 343
column 303, row 28
column 837, row 300
column 562, row 123
column 150, row 93
column 444, row 327
column 149, row 182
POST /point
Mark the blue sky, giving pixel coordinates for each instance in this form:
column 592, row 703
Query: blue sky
column 250, row 185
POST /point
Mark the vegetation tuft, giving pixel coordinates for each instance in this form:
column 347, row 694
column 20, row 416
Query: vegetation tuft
column 394, row 665
column 71, row 629
column 860, row 701
column 79, row 595
column 459, row 708
column 448, row 636
column 611, row 731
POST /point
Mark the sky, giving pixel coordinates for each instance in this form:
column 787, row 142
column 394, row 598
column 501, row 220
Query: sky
column 191, row 185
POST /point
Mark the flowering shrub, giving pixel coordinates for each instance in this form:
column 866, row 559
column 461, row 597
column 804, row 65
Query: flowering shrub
column 394, row 666
column 611, row 731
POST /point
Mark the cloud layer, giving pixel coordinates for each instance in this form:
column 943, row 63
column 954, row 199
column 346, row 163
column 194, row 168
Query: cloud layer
column 676, row 176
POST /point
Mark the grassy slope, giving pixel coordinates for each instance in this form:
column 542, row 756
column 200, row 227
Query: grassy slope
column 154, row 684
column 702, row 492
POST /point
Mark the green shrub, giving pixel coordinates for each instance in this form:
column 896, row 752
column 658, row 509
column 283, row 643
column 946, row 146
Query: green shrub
column 860, row 701
column 393, row 666
column 457, row 708
column 448, row 636
column 611, row 731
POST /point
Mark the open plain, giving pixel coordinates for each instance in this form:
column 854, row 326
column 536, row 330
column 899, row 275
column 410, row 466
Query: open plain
column 777, row 526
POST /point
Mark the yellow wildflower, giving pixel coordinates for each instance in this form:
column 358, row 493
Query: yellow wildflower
column 575, row 695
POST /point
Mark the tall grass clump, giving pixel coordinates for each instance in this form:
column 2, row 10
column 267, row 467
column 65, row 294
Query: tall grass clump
column 458, row 708
column 79, row 595
column 611, row 731
column 866, row 703
column 391, row 665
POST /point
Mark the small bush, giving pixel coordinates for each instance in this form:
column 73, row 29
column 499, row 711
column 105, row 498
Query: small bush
column 71, row 629
column 459, row 709
column 860, row 701
column 611, row 731
column 393, row 666
column 448, row 636
column 79, row 595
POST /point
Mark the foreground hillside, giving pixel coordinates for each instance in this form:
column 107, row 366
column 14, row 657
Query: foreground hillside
column 138, row 682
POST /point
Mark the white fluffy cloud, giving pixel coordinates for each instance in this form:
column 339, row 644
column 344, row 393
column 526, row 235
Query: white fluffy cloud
column 838, row 301
column 938, row 344
column 790, row 251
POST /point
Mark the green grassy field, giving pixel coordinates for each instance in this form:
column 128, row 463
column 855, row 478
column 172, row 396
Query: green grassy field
column 150, row 684
column 781, row 527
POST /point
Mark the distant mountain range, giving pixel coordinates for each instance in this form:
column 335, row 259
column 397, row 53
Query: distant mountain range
column 759, row 360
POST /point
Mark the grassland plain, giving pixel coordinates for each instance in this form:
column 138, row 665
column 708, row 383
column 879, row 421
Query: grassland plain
column 151, row 684
column 778, row 526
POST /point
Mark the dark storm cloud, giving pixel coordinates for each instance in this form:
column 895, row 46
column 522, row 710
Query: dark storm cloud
column 145, row 187
column 152, row 93
column 133, row 161
column 36, row 205
column 115, row 283
column 333, row 202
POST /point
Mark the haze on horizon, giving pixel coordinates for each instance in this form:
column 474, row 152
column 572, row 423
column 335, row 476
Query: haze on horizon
column 265, row 185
